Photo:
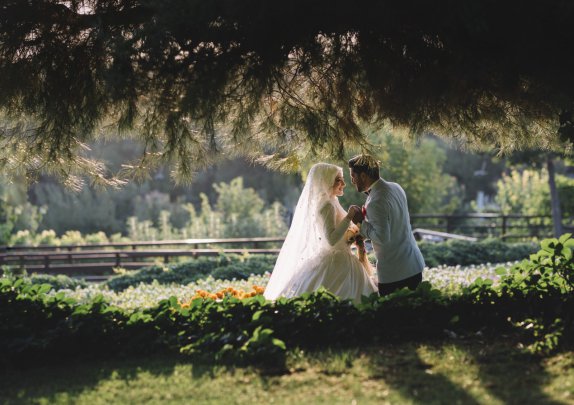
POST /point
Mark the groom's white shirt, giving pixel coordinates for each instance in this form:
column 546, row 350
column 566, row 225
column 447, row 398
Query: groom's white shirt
column 387, row 225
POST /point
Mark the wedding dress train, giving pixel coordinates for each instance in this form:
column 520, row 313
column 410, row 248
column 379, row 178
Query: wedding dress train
column 337, row 268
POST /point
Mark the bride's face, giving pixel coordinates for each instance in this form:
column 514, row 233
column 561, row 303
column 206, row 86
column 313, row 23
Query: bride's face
column 339, row 185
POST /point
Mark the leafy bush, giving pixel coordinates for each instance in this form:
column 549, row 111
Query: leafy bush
column 534, row 299
column 224, row 267
column 57, row 282
column 96, row 238
column 47, row 237
column 464, row 253
column 21, row 238
column 229, row 267
column 72, row 238
column 527, row 192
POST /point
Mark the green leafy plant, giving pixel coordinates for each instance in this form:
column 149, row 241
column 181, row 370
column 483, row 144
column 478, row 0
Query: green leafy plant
column 36, row 322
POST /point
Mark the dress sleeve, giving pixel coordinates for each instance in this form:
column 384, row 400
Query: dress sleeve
column 333, row 231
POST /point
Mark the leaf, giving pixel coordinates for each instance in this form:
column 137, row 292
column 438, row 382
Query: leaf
column 501, row 271
column 279, row 343
column 44, row 288
column 257, row 315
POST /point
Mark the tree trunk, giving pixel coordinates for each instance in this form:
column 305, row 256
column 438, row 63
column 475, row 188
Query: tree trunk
column 554, row 198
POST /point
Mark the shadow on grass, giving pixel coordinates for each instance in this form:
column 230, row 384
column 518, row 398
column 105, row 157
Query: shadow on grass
column 502, row 373
column 47, row 381
column 452, row 371
column 404, row 371
column 512, row 376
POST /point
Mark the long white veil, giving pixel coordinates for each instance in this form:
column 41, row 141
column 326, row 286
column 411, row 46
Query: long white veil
column 306, row 237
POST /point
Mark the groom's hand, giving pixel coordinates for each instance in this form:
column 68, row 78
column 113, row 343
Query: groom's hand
column 358, row 214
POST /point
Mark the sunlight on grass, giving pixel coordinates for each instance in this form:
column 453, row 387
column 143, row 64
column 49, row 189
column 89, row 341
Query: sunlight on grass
column 458, row 372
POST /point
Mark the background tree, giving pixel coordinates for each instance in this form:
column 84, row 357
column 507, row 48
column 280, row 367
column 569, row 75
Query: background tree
column 540, row 159
column 195, row 79
column 419, row 169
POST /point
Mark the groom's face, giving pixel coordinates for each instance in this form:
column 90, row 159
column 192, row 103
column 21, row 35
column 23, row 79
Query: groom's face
column 359, row 180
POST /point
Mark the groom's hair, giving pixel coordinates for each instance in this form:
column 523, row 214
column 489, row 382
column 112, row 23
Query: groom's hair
column 365, row 164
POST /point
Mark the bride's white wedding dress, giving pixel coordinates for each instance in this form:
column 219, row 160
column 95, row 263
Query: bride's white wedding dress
column 316, row 253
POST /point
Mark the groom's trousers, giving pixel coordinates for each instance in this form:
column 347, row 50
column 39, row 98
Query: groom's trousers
column 411, row 283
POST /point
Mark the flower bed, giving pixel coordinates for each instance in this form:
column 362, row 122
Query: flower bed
column 449, row 279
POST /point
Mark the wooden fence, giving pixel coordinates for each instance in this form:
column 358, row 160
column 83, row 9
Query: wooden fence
column 509, row 227
column 99, row 259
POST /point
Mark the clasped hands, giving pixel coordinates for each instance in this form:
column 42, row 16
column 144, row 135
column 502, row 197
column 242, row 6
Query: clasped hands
column 356, row 214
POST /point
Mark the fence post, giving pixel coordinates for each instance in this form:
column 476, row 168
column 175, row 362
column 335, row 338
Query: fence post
column 46, row 262
column 448, row 224
column 118, row 260
column 504, row 224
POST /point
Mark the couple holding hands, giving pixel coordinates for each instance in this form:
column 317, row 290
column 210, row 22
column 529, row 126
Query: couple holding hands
column 317, row 250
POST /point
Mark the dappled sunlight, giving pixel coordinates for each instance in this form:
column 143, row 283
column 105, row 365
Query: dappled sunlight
column 490, row 372
column 466, row 371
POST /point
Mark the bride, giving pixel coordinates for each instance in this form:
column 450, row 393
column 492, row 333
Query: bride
column 317, row 250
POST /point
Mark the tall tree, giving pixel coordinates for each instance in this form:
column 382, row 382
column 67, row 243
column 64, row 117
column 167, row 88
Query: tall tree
column 539, row 159
column 195, row 79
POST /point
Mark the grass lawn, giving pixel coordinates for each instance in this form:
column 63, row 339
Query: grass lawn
column 448, row 372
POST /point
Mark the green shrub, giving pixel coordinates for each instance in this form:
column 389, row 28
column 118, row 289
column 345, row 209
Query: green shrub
column 464, row 253
column 534, row 300
column 72, row 238
column 224, row 267
column 47, row 237
column 58, row 282
column 21, row 238
column 96, row 238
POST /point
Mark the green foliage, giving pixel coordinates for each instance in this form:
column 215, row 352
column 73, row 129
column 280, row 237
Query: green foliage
column 16, row 212
column 20, row 238
column 47, row 237
column 57, row 282
column 254, row 83
column 237, row 212
column 547, row 276
column 549, row 271
column 526, row 192
column 223, row 267
column 534, row 300
column 419, row 170
column 463, row 253
column 89, row 210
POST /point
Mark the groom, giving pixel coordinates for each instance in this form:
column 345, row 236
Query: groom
column 386, row 222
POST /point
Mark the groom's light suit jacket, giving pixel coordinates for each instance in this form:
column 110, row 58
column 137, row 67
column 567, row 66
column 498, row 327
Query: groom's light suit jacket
column 387, row 225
